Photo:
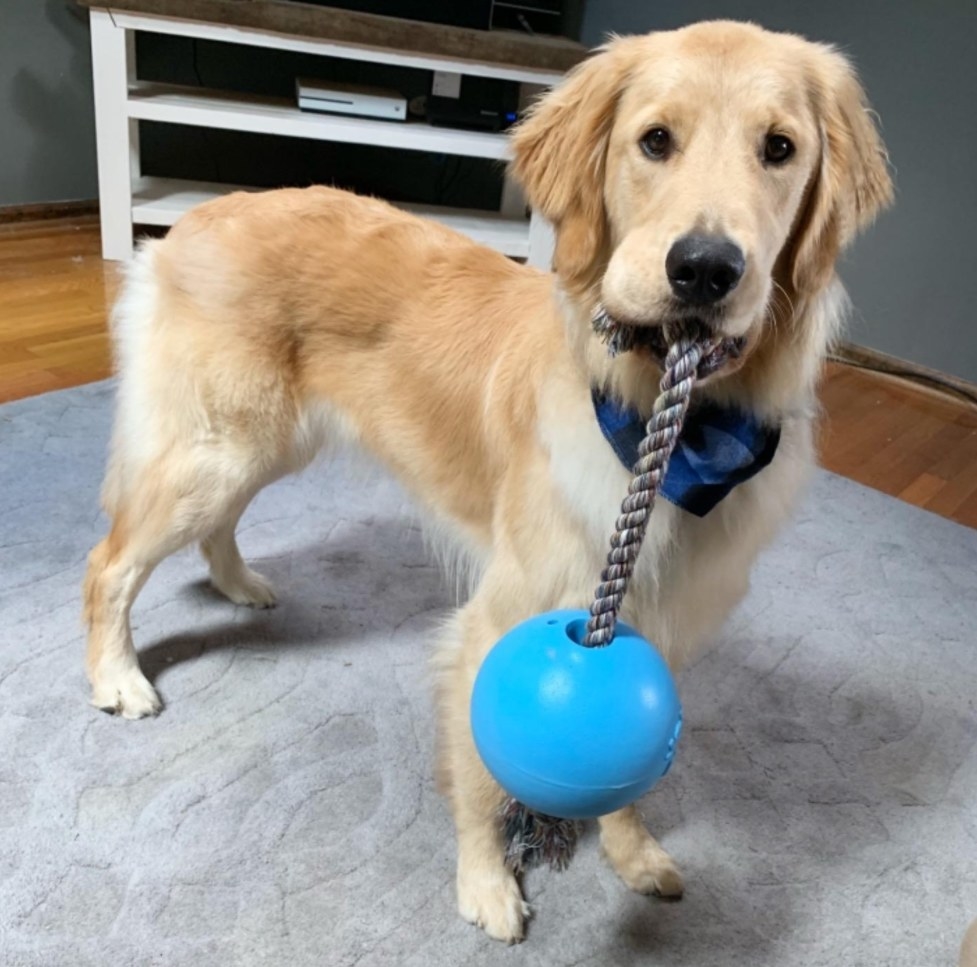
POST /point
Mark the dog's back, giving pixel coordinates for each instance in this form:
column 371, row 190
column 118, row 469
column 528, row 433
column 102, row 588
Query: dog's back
column 253, row 320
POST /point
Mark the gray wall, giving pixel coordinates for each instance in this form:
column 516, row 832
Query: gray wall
column 47, row 149
column 913, row 278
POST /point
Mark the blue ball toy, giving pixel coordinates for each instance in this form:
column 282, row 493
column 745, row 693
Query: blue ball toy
column 573, row 731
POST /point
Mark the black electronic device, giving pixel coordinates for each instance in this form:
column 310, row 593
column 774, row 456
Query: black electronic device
column 453, row 112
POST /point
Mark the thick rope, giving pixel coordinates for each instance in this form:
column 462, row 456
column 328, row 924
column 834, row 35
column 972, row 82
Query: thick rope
column 532, row 838
column 685, row 352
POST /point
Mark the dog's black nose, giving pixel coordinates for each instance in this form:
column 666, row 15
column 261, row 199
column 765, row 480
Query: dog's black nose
column 703, row 269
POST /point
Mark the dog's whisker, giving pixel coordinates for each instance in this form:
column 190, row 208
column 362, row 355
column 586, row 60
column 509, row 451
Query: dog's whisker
column 778, row 291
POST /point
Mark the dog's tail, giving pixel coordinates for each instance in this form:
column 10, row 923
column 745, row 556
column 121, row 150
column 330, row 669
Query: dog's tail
column 131, row 323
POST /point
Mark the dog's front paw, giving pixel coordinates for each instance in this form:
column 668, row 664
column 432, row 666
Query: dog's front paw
column 649, row 870
column 493, row 901
column 654, row 875
column 125, row 692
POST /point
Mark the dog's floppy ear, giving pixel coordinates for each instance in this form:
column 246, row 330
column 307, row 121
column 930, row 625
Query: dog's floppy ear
column 559, row 152
column 851, row 184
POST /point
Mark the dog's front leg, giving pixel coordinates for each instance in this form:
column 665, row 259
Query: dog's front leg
column 488, row 893
column 636, row 856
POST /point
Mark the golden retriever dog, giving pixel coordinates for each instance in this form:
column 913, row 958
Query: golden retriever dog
column 713, row 172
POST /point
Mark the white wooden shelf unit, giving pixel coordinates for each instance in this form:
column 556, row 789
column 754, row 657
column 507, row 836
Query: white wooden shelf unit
column 129, row 198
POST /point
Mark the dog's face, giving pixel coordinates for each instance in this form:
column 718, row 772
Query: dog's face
column 706, row 166
column 692, row 174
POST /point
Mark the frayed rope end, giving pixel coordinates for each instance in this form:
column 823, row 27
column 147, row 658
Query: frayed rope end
column 533, row 839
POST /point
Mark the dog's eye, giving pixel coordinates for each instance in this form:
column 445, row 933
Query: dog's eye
column 777, row 149
column 657, row 143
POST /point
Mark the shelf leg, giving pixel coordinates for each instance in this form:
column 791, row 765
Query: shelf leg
column 542, row 242
column 513, row 201
column 113, row 63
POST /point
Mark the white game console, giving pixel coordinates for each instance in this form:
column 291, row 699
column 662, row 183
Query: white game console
column 333, row 97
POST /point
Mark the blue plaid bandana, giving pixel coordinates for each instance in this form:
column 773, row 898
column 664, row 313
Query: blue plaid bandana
column 719, row 448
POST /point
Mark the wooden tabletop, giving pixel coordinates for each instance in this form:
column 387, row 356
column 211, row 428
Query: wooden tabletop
column 346, row 26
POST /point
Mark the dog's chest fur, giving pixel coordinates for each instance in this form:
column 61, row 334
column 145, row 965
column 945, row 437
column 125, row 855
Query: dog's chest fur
column 692, row 570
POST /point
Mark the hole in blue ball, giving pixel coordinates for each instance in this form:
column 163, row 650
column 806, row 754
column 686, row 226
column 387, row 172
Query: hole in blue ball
column 577, row 630
column 552, row 621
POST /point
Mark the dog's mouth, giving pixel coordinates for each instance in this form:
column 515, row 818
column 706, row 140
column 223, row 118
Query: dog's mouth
column 650, row 340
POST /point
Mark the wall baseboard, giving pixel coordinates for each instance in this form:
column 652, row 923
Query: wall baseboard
column 879, row 362
column 45, row 210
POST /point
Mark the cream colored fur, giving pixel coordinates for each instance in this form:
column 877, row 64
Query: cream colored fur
column 266, row 326
column 968, row 950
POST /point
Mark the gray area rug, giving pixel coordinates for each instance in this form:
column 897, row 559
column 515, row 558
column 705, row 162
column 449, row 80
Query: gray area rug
column 823, row 805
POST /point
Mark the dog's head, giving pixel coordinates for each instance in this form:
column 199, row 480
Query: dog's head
column 694, row 173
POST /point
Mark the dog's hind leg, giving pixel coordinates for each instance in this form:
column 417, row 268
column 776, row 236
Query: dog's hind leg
column 115, row 575
column 165, row 505
column 315, row 427
column 228, row 572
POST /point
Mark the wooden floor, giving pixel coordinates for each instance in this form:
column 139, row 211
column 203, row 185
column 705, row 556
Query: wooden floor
column 909, row 442
column 54, row 289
